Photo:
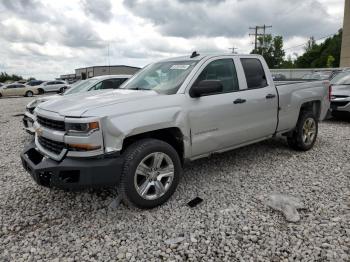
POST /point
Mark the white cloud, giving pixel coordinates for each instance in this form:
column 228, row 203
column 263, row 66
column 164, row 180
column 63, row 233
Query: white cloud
column 48, row 38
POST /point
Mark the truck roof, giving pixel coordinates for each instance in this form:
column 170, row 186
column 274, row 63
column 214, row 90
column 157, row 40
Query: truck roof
column 199, row 57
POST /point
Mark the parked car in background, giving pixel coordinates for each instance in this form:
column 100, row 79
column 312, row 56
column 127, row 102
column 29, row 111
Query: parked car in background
column 18, row 90
column 37, row 83
column 340, row 99
column 95, row 83
column 34, row 82
column 54, row 86
column 181, row 109
column 316, row 76
column 278, row 77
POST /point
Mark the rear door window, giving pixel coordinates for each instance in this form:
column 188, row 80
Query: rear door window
column 254, row 73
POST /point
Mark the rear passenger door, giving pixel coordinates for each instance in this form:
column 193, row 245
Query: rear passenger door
column 261, row 100
column 50, row 86
column 20, row 90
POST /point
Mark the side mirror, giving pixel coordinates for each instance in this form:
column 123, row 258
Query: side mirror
column 206, row 87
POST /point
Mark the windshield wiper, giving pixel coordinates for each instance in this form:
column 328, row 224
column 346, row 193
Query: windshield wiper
column 138, row 88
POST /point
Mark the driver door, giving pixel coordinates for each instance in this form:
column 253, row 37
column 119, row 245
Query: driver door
column 214, row 118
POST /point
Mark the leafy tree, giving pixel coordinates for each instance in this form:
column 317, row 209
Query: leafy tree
column 289, row 63
column 5, row 77
column 310, row 44
column 326, row 54
column 271, row 48
column 330, row 61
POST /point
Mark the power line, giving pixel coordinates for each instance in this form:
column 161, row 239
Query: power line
column 292, row 47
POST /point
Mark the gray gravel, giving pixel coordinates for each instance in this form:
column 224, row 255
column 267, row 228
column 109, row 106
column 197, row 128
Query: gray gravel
column 233, row 223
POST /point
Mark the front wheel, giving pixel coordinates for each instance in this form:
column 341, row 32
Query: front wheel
column 150, row 175
column 304, row 136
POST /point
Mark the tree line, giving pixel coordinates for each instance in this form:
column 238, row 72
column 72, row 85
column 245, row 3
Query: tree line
column 13, row 78
column 323, row 55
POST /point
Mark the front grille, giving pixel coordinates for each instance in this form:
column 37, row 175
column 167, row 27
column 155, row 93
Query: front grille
column 51, row 145
column 51, row 124
column 339, row 103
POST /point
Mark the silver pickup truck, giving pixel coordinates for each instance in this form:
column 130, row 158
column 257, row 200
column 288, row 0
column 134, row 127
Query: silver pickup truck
column 138, row 137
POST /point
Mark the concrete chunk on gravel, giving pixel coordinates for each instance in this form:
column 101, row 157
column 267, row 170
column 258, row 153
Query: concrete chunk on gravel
column 288, row 205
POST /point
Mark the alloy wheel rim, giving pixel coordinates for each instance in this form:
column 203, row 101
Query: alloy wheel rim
column 154, row 175
column 309, row 131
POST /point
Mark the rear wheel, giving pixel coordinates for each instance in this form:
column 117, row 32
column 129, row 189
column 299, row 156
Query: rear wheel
column 61, row 91
column 150, row 175
column 29, row 94
column 41, row 91
column 305, row 133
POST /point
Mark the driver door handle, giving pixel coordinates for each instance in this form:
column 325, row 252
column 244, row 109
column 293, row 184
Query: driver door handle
column 239, row 101
column 269, row 96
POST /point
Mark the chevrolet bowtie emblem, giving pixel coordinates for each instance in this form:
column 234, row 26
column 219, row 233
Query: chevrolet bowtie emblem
column 39, row 131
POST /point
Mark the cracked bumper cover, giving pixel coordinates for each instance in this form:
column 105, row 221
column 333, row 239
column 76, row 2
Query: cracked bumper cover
column 71, row 173
column 28, row 122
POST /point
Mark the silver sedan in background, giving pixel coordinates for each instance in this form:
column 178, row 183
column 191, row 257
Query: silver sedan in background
column 340, row 99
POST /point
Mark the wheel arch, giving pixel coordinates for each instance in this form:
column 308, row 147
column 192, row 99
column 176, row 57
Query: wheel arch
column 172, row 135
column 312, row 106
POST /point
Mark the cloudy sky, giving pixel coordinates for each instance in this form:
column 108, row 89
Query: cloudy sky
column 45, row 39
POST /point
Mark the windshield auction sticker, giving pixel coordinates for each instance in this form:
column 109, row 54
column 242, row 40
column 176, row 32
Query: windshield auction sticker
column 180, row 67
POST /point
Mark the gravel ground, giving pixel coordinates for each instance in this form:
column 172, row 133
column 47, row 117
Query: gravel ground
column 233, row 222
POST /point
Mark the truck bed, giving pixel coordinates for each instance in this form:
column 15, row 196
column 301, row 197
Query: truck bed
column 292, row 95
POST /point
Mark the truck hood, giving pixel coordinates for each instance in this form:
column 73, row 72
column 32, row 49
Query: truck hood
column 342, row 90
column 76, row 105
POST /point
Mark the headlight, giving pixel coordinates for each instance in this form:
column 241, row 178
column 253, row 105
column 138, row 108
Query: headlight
column 33, row 104
column 85, row 129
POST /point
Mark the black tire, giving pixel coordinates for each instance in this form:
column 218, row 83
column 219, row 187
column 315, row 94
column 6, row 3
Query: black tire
column 41, row 91
column 29, row 94
column 296, row 140
column 133, row 156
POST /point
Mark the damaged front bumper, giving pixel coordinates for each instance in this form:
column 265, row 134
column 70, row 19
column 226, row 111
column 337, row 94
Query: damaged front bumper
column 71, row 173
column 28, row 122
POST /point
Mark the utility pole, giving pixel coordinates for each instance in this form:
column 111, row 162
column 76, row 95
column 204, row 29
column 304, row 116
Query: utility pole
column 256, row 34
column 233, row 50
column 264, row 33
column 109, row 63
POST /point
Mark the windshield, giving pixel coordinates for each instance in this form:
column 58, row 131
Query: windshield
column 82, row 86
column 341, row 79
column 162, row 77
